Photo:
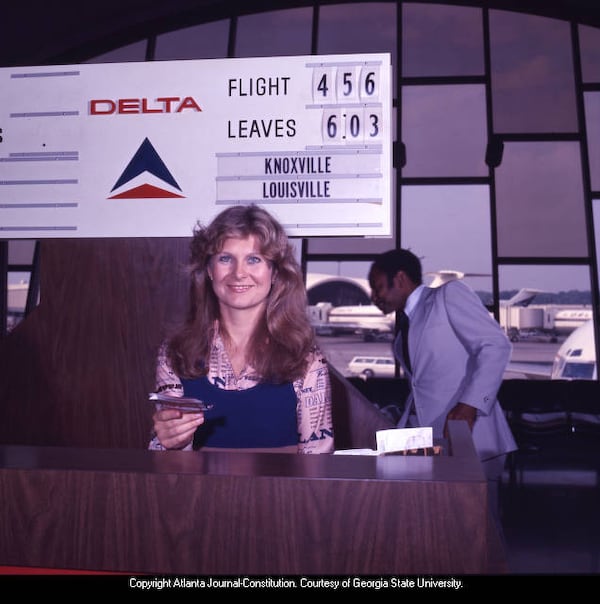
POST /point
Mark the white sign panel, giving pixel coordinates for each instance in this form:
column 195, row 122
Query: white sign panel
column 148, row 149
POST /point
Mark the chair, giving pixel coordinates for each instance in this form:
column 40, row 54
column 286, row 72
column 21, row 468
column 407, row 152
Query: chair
column 537, row 415
column 556, row 424
column 584, row 407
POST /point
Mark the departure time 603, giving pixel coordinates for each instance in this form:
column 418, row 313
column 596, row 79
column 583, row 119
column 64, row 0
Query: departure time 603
column 349, row 95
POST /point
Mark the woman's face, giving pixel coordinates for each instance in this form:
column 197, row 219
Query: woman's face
column 241, row 275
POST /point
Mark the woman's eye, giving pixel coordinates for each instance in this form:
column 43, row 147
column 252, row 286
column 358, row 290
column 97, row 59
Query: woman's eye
column 253, row 260
column 224, row 258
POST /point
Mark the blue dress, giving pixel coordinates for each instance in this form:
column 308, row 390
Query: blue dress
column 260, row 417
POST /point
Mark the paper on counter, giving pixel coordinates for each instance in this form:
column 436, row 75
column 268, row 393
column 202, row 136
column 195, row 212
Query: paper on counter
column 403, row 439
column 396, row 439
column 356, row 452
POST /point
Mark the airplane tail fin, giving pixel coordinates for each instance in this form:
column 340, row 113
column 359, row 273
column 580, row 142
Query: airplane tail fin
column 524, row 297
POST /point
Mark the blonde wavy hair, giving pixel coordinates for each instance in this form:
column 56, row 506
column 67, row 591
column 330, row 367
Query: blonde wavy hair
column 280, row 346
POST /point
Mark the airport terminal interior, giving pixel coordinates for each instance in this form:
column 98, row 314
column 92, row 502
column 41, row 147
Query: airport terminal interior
column 494, row 178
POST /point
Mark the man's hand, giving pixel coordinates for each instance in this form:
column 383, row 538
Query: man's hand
column 464, row 412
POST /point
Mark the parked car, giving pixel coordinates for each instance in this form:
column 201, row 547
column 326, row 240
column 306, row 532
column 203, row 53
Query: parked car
column 368, row 366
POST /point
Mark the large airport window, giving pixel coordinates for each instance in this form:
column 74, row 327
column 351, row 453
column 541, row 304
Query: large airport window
column 123, row 54
column 589, row 41
column 345, row 321
column 592, row 123
column 21, row 251
column 349, row 245
column 540, row 201
column 458, row 35
column 205, row 41
column 18, row 287
column 448, row 227
column 444, row 130
column 546, row 311
column 361, row 27
column 20, row 264
column 533, row 85
column 282, row 32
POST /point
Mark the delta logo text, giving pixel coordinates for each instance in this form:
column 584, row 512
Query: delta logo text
column 163, row 104
column 146, row 177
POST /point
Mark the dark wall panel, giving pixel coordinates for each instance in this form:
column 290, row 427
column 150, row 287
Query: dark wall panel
column 78, row 370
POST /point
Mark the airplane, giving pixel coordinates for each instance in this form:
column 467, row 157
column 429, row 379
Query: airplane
column 365, row 318
column 523, row 297
column 566, row 320
column 576, row 357
column 444, row 275
column 362, row 318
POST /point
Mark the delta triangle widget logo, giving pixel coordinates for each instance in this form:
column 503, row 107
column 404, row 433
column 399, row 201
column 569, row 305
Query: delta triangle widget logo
column 146, row 160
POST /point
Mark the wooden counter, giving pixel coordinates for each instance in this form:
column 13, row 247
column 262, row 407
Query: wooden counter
column 175, row 512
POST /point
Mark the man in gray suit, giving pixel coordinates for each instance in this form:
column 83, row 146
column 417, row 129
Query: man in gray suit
column 457, row 355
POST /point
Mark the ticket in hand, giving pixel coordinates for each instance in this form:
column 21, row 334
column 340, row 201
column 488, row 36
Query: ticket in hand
column 184, row 404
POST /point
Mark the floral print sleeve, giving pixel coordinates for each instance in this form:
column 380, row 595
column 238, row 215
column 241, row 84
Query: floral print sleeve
column 167, row 382
column 315, row 424
column 166, row 379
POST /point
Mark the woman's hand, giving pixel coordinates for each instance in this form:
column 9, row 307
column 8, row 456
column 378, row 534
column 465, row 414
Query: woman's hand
column 175, row 429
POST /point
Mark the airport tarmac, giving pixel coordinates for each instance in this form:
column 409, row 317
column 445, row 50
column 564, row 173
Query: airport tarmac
column 533, row 355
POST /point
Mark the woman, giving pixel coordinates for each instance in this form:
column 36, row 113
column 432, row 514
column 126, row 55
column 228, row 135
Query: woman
column 246, row 346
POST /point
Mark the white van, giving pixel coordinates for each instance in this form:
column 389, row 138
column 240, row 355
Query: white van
column 367, row 366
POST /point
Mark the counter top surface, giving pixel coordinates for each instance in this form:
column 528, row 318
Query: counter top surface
column 463, row 465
